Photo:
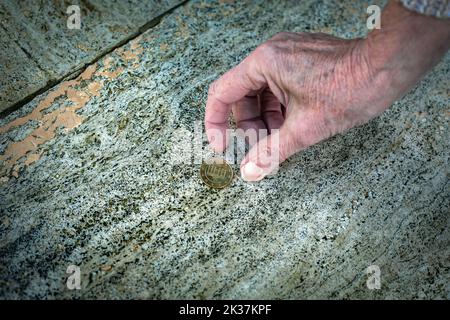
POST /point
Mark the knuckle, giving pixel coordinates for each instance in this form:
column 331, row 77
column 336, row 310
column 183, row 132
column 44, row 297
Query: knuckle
column 265, row 52
column 262, row 49
column 212, row 90
column 258, row 58
column 281, row 36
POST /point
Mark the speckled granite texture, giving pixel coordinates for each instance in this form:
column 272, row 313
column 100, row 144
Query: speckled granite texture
column 38, row 49
column 87, row 179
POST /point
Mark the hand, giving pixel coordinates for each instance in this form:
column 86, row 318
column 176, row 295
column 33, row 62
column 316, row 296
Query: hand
column 324, row 84
column 313, row 86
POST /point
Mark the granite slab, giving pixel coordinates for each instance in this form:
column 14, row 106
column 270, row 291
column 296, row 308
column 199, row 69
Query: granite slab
column 88, row 178
column 39, row 49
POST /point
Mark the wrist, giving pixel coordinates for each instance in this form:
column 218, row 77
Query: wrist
column 405, row 35
column 405, row 48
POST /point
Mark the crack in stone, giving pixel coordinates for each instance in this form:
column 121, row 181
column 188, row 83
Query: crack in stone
column 71, row 76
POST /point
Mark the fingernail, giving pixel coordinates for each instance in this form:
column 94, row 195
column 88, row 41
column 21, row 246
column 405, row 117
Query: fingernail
column 251, row 172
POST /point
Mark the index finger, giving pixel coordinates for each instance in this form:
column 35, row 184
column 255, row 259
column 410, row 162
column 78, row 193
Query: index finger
column 234, row 85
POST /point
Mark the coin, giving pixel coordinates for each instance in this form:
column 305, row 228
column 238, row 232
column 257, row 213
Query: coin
column 216, row 173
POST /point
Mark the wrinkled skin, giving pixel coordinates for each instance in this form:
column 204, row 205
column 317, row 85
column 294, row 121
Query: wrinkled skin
column 313, row 86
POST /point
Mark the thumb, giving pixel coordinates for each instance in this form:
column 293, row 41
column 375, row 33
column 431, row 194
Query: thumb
column 265, row 157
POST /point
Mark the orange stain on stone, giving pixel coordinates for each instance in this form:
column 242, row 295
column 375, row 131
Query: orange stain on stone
column 88, row 73
column 36, row 114
column 77, row 93
column 107, row 72
column 31, row 158
column 62, row 117
column 133, row 53
column 94, row 88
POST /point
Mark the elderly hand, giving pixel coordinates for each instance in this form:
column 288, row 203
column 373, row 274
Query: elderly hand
column 313, row 86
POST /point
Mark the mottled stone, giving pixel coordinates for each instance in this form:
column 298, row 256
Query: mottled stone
column 19, row 74
column 102, row 192
column 38, row 48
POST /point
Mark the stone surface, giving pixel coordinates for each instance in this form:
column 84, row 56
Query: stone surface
column 38, row 48
column 88, row 179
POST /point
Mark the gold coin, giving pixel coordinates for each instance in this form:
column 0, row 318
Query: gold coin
column 216, row 173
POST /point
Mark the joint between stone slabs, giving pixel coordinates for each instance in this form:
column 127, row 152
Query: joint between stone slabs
column 53, row 82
